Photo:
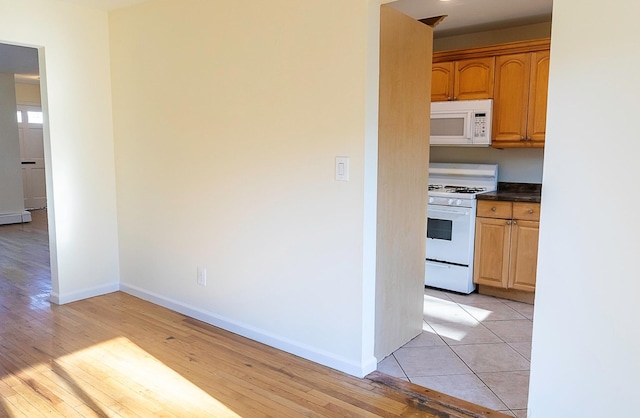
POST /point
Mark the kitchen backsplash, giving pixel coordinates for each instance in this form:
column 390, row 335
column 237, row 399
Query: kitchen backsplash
column 514, row 165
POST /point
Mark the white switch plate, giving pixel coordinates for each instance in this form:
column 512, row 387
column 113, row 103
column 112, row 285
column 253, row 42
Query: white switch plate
column 342, row 168
column 202, row 276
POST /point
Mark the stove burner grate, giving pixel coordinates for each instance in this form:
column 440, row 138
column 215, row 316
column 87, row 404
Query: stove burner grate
column 456, row 189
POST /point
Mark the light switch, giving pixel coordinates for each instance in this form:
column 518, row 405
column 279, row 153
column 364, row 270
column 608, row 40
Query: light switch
column 342, row 168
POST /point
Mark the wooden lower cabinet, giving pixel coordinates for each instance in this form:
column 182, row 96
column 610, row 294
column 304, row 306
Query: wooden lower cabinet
column 506, row 248
column 524, row 255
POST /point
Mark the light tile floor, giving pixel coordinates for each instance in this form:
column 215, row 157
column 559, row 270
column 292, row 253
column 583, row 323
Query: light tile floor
column 473, row 347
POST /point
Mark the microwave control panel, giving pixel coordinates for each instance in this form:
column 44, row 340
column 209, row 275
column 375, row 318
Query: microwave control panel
column 479, row 125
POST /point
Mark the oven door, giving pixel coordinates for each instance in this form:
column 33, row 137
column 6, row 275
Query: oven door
column 450, row 234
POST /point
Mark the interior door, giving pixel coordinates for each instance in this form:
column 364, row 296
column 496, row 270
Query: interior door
column 30, row 121
column 403, row 159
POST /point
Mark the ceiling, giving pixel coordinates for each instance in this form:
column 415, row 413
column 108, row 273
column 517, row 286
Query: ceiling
column 463, row 16
column 467, row 16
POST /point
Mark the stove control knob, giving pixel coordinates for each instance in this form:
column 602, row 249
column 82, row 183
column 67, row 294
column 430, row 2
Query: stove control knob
column 450, row 202
column 431, row 199
column 458, row 202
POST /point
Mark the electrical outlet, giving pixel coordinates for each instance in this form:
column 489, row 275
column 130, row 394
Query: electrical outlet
column 202, row 276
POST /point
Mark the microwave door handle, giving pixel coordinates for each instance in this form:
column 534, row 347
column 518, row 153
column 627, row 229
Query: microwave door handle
column 469, row 133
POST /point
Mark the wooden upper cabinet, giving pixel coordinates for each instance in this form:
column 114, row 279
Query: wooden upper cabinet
column 538, row 88
column 520, row 104
column 442, row 81
column 474, row 79
column 515, row 75
column 511, row 98
column 470, row 79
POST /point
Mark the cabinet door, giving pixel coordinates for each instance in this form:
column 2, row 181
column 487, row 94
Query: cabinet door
column 474, row 79
column 537, row 118
column 524, row 255
column 442, row 81
column 491, row 259
column 511, row 100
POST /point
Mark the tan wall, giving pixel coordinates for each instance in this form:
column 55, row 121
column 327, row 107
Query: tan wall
column 519, row 33
column 227, row 127
column 27, row 93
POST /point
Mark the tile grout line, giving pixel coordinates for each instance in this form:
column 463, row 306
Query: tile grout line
column 497, row 336
column 501, row 340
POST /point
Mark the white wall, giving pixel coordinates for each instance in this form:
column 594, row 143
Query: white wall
column 11, row 193
column 585, row 338
column 226, row 130
column 514, row 165
column 74, row 61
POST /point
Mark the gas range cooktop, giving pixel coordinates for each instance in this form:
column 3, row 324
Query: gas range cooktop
column 456, row 189
column 458, row 184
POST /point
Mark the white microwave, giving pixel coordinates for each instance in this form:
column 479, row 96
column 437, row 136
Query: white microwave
column 463, row 122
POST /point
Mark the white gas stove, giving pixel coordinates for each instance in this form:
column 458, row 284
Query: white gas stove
column 454, row 184
column 451, row 215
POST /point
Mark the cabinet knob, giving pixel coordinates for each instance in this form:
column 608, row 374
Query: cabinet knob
column 521, row 138
column 508, row 222
column 455, row 98
column 530, row 211
column 493, row 209
column 528, row 138
column 515, row 223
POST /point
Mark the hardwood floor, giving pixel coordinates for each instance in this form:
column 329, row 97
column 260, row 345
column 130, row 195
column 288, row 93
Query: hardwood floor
column 119, row 356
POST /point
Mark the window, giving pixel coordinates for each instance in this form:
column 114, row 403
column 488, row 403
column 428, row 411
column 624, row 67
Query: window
column 34, row 117
column 19, row 116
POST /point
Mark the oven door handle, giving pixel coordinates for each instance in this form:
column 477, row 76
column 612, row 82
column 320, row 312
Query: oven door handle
column 447, row 211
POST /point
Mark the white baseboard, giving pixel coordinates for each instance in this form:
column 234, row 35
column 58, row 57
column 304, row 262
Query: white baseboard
column 15, row 218
column 302, row 350
column 61, row 299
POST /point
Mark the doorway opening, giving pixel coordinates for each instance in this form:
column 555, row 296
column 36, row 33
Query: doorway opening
column 25, row 266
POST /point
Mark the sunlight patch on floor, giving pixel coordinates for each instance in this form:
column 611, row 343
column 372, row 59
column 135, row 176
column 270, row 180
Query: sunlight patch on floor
column 479, row 313
column 452, row 332
column 449, row 318
column 440, row 310
column 122, row 375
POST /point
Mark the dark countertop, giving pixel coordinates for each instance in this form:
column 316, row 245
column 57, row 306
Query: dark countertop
column 514, row 192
